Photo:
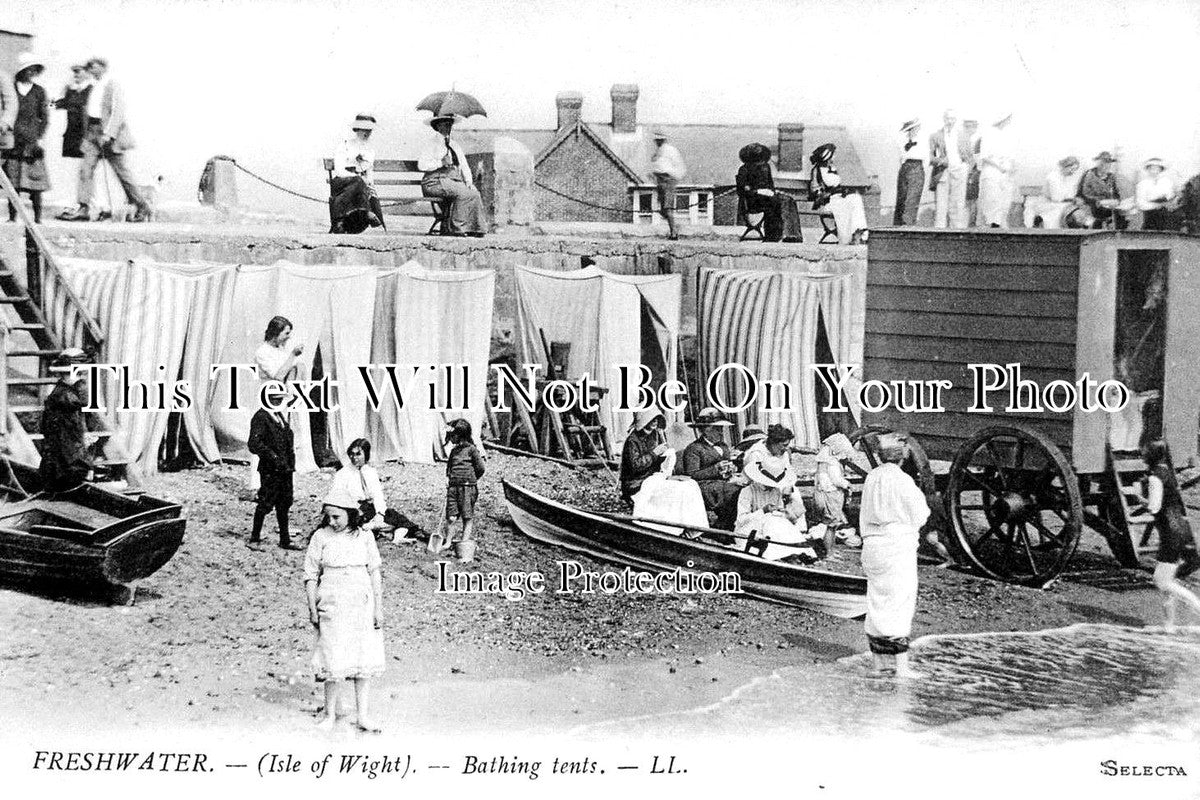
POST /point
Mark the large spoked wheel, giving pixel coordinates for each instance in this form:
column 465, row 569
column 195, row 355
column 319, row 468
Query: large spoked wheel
column 1014, row 505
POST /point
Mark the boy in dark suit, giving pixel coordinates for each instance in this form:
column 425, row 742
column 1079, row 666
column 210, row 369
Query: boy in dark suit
column 272, row 440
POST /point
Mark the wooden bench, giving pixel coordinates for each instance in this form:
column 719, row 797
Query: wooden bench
column 754, row 223
column 828, row 224
column 398, row 183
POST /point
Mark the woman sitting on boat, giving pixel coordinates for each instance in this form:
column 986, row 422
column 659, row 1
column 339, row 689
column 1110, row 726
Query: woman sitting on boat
column 769, row 507
column 647, row 464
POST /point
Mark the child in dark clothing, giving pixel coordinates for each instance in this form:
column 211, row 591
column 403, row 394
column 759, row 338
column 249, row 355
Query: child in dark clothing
column 464, row 468
column 272, row 440
column 1177, row 557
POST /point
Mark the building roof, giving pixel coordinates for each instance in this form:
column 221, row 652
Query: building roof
column 709, row 151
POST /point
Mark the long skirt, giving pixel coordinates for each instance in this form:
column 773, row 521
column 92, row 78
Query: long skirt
column 910, row 182
column 352, row 199
column 995, row 198
column 781, row 220
column 26, row 173
column 849, row 214
column 671, row 499
column 890, row 563
column 348, row 644
column 786, row 536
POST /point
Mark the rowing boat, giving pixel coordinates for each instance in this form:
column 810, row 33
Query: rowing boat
column 625, row 541
column 85, row 540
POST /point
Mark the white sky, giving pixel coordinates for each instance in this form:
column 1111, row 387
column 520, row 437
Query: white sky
column 274, row 82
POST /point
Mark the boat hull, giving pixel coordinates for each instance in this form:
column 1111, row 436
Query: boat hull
column 548, row 521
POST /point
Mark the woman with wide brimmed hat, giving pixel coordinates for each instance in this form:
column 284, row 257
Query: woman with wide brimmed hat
column 345, row 604
column 709, row 462
column 769, row 507
column 1158, row 197
column 825, row 188
column 25, row 162
column 354, row 205
column 448, row 175
column 756, row 188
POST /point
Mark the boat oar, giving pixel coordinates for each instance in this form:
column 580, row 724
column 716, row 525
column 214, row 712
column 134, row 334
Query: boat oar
column 697, row 528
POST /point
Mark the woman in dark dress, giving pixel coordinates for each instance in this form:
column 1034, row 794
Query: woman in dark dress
column 25, row 164
column 756, row 187
column 1177, row 556
column 74, row 102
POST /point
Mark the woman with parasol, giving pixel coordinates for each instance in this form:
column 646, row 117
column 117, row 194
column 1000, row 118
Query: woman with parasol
column 447, row 173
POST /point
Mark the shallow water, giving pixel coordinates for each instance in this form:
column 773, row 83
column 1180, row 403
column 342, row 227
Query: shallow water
column 1080, row 682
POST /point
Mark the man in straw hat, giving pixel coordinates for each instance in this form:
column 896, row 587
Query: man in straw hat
column 951, row 154
column 353, row 204
column 1157, row 197
column 709, row 462
column 1101, row 193
column 890, row 518
column 448, row 175
column 66, row 460
column 108, row 139
column 668, row 169
column 910, row 180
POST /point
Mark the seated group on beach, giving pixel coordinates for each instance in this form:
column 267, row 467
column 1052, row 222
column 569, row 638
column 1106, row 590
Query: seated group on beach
column 742, row 495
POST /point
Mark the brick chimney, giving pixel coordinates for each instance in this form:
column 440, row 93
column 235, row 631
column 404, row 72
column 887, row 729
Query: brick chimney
column 624, row 107
column 568, row 105
column 791, row 153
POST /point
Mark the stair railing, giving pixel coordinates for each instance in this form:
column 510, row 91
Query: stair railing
column 41, row 268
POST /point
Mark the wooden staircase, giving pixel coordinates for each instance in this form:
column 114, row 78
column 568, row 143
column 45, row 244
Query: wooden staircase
column 1128, row 471
column 28, row 345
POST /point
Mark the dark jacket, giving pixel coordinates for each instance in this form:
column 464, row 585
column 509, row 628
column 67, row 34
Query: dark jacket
column 272, row 442
column 65, row 457
column 1093, row 188
column 74, row 102
column 638, row 461
column 33, row 118
column 751, row 178
column 464, row 466
column 700, row 459
column 1189, row 209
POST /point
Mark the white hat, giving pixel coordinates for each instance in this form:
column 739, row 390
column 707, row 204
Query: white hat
column 774, row 472
column 26, row 60
column 364, row 122
column 340, row 498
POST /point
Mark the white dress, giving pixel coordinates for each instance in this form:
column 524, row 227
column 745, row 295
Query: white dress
column 847, row 210
column 995, row 178
column 348, row 643
column 675, row 499
column 361, row 484
column 890, row 519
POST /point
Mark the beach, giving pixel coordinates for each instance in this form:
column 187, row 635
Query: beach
column 219, row 637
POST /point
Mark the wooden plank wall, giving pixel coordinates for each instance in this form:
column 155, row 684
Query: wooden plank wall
column 939, row 300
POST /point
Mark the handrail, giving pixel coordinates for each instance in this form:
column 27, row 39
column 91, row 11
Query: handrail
column 90, row 326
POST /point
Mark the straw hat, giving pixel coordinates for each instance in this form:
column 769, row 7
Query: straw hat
column 27, row 60
column 340, row 498
column 659, row 135
column 1069, row 161
column 69, row 358
column 773, row 472
column 709, row 417
column 1154, row 162
column 363, row 122
column 442, row 118
column 750, row 436
column 910, row 125
column 644, row 417
column 1104, row 155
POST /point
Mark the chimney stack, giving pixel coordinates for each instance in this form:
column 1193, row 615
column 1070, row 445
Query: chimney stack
column 624, row 107
column 791, row 157
column 569, row 105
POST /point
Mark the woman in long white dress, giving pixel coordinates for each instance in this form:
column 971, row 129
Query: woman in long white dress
column 274, row 360
column 647, row 479
column 890, row 519
column 769, row 507
column 825, row 186
column 996, row 175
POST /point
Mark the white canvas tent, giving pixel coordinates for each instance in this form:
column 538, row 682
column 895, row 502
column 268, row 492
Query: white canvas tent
column 430, row 317
column 769, row 322
column 607, row 319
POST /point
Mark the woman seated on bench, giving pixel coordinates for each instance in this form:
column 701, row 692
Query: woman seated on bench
column 781, row 221
column 354, row 206
column 825, row 188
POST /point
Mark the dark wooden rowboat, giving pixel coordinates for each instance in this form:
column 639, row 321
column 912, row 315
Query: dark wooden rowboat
column 643, row 547
column 87, row 539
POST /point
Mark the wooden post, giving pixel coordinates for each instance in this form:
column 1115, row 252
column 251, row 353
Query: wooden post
column 3, row 378
column 33, row 269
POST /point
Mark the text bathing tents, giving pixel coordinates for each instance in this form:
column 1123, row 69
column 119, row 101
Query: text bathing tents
column 188, row 317
column 607, row 320
column 777, row 325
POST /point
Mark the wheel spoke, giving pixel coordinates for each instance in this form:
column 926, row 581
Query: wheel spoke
column 982, row 484
column 1028, row 550
column 991, row 448
column 1046, row 533
column 1019, row 456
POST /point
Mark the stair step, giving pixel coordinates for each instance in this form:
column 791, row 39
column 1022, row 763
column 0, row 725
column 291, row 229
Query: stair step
column 27, row 326
column 15, row 299
column 31, row 381
column 24, row 409
column 31, row 353
column 1124, row 467
column 92, row 436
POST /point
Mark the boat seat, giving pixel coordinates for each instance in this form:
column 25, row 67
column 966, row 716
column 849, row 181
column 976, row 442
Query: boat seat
column 71, row 512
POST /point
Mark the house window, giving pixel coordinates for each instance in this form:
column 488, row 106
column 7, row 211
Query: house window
column 692, row 206
column 645, row 206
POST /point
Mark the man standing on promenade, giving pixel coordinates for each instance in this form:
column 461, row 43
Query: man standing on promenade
column 107, row 139
column 951, row 155
column 669, row 169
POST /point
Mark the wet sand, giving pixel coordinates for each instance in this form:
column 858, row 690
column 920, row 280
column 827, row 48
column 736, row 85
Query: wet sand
column 219, row 638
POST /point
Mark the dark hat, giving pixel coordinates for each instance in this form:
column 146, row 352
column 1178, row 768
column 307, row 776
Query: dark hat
column 710, row 418
column 1105, row 156
column 908, row 126
column 754, row 153
column 778, row 433
column 823, row 154
column 69, row 358
column 1069, row 161
column 442, row 118
column 750, row 435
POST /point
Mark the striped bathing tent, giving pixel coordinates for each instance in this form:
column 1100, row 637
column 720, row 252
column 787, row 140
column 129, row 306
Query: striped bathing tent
column 777, row 325
column 175, row 321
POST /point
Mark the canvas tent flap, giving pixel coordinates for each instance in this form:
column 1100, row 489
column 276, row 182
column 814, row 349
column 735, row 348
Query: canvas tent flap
column 430, row 318
column 768, row 322
column 607, row 319
column 331, row 307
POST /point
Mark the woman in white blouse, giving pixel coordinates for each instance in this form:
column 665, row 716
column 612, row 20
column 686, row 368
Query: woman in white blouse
column 360, row 481
column 996, row 168
column 353, row 204
column 1157, row 197
column 825, row 187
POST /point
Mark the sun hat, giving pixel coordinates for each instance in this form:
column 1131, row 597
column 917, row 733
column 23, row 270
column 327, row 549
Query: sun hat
column 26, row 60
column 709, row 417
column 1104, row 155
column 69, row 358
column 1154, row 162
column 908, row 126
column 363, row 122
column 338, row 497
column 823, row 154
column 442, row 118
column 750, row 436
column 773, row 472
column 658, row 135
column 644, row 417
column 1069, row 161
column 754, row 153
